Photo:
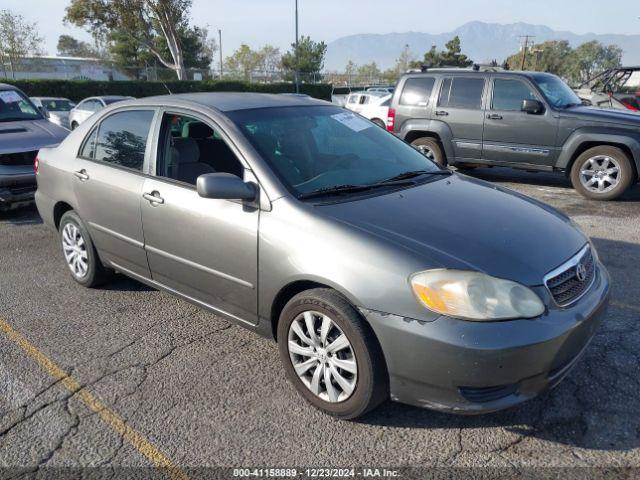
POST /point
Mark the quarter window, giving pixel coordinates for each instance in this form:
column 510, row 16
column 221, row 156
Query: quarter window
column 509, row 94
column 122, row 138
column 417, row 91
column 461, row 92
column 89, row 147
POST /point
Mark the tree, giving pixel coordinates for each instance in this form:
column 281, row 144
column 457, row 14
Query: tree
column 369, row 73
column 550, row 56
column 140, row 20
column 71, row 47
column 243, row 62
column 591, row 58
column 452, row 56
column 270, row 59
column 18, row 38
column 308, row 59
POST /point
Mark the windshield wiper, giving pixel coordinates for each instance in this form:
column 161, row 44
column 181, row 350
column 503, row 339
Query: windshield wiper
column 413, row 174
column 339, row 189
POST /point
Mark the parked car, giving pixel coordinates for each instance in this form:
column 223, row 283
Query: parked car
column 91, row 105
column 23, row 131
column 378, row 110
column 359, row 100
column 56, row 109
column 339, row 95
column 525, row 120
column 377, row 272
column 617, row 88
column 381, row 89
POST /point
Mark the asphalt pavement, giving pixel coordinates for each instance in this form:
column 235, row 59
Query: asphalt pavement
column 126, row 376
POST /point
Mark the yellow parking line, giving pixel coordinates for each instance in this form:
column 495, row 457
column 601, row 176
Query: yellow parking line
column 627, row 306
column 108, row 416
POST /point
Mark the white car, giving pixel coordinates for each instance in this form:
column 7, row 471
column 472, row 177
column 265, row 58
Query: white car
column 377, row 110
column 358, row 100
column 56, row 109
column 91, row 105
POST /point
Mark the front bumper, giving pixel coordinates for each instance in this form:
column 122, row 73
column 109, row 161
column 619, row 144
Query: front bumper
column 16, row 190
column 479, row 367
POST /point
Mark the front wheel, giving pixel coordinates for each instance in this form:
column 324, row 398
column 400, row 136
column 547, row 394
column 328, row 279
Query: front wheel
column 602, row 173
column 431, row 149
column 331, row 355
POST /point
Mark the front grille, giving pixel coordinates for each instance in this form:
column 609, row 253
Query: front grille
column 487, row 394
column 570, row 281
column 23, row 158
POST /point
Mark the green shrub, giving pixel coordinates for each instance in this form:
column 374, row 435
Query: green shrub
column 76, row 90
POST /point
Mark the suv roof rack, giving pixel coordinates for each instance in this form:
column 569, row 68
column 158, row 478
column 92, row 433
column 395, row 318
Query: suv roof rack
column 474, row 68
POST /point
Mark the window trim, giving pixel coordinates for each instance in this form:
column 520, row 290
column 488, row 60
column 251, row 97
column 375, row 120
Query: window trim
column 512, row 79
column 148, row 146
column 429, row 97
column 483, row 98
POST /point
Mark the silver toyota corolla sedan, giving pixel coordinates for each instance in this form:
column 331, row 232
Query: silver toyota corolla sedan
column 378, row 273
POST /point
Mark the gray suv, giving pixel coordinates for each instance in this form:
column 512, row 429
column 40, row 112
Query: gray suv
column 378, row 273
column 525, row 120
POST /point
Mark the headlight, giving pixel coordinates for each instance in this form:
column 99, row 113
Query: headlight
column 474, row 296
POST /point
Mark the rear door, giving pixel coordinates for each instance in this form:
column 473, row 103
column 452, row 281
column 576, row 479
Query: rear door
column 109, row 174
column 461, row 106
column 513, row 136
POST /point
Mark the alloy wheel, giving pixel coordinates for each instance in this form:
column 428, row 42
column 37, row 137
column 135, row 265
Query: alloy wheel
column 322, row 356
column 75, row 250
column 600, row 174
column 427, row 152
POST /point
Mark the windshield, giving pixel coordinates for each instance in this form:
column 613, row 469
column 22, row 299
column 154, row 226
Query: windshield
column 557, row 93
column 14, row 106
column 109, row 101
column 57, row 105
column 318, row 148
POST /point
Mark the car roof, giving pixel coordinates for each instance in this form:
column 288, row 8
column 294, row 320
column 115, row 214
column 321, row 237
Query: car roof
column 231, row 101
column 6, row 86
column 50, row 98
column 464, row 71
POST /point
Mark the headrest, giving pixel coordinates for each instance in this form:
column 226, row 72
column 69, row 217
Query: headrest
column 197, row 130
column 186, row 150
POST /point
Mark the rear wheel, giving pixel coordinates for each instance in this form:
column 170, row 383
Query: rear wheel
column 431, row 149
column 331, row 355
column 379, row 123
column 79, row 253
column 602, row 173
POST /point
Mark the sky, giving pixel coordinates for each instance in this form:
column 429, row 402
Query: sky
column 258, row 22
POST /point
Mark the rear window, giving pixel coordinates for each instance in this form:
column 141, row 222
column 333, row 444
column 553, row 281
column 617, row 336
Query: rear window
column 461, row 92
column 417, row 91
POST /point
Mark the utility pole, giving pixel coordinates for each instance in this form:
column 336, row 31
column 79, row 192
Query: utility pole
column 220, row 45
column 297, row 58
column 524, row 49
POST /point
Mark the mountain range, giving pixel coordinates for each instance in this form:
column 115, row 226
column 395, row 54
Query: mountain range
column 481, row 41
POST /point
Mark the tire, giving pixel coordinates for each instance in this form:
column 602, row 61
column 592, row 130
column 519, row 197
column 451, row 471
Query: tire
column 379, row 123
column 368, row 385
column 430, row 148
column 73, row 232
column 603, row 160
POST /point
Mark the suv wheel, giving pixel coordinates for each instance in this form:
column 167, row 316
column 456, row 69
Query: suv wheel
column 331, row 355
column 431, row 149
column 602, row 173
column 79, row 253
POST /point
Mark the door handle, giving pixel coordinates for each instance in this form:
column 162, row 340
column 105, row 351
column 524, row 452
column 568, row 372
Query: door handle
column 82, row 174
column 442, row 113
column 153, row 197
column 494, row 116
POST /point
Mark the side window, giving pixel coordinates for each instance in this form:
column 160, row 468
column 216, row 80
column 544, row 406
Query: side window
column 462, row 92
column 89, row 146
column 364, row 99
column 353, row 98
column 417, row 91
column 509, row 94
column 386, row 103
column 122, row 138
column 190, row 148
column 88, row 105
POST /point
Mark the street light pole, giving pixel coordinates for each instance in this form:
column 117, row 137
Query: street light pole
column 296, row 56
column 220, row 46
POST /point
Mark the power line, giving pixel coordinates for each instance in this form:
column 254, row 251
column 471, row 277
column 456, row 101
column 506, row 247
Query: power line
column 524, row 49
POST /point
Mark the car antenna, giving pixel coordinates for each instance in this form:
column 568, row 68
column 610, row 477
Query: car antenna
column 165, row 86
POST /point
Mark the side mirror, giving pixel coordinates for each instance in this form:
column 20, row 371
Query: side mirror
column 225, row 186
column 45, row 113
column 533, row 107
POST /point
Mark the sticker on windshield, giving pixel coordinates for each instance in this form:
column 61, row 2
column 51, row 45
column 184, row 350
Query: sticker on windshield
column 9, row 96
column 352, row 121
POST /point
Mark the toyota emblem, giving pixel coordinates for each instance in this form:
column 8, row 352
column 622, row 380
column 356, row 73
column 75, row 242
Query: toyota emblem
column 581, row 272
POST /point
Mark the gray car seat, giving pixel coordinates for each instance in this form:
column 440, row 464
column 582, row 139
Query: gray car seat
column 185, row 162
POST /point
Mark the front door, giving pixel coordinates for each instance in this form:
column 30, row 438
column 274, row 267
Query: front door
column 460, row 106
column 108, row 187
column 206, row 249
column 512, row 136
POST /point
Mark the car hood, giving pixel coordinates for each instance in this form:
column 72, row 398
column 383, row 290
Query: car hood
column 24, row 136
column 604, row 115
column 464, row 223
